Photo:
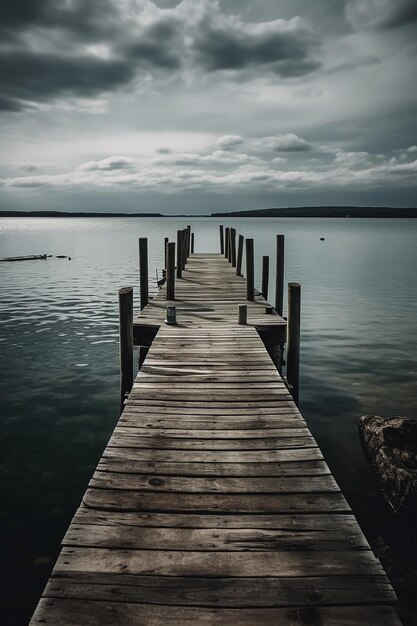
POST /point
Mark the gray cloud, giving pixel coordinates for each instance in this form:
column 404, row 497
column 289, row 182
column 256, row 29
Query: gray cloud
column 58, row 49
column 285, row 48
column 380, row 13
column 26, row 77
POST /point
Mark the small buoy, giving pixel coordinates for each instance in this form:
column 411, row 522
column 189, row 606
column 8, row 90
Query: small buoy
column 321, row 238
column 69, row 258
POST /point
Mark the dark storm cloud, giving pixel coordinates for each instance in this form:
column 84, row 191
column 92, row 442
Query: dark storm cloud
column 57, row 49
column 286, row 48
column 27, row 77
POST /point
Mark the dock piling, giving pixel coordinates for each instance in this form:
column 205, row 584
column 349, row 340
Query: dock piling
column 293, row 339
column 221, row 239
column 125, row 342
column 250, row 286
column 179, row 252
column 239, row 256
column 233, row 246
column 226, row 243
column 265, row 276
column 165, row 251
column 279, row 275
column 242, row 314
column 143, row 272
column 170, row 283
column 192, row 243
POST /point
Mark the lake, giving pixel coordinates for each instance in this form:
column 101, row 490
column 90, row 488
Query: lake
column 59, row 374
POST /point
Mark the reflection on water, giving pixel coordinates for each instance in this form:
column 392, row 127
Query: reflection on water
column 59, row 367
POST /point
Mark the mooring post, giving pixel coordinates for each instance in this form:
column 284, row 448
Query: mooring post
column 143, row 272
column 170, row 284
column 165, row 252
column 242, row 314
column 221, row 239
column 185, row 247
column 229, row 249
column 226, row 242
column 293, row 339
column 279, row 276
column 125, row 342
column 250, row 286
column 239, row 255
column 179, row 253
column 233, row 245
column 265, row 276
column 192, row 243
column 188, row 240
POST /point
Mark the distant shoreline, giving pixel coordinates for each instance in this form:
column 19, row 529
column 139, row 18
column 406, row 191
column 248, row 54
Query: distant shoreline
column 318, row 211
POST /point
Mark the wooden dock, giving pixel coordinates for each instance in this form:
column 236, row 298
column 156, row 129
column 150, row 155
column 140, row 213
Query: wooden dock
column 212, row 504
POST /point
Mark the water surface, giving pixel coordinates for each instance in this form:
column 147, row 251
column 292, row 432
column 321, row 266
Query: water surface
column 59, row 366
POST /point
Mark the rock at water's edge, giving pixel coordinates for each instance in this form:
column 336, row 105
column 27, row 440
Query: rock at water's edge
column 390, row 444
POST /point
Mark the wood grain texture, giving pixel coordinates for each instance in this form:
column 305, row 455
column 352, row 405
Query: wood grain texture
column 212, row 503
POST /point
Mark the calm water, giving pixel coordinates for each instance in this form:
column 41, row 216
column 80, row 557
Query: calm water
column 59, row 366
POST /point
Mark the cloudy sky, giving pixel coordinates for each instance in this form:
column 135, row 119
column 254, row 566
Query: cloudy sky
column 201, row 105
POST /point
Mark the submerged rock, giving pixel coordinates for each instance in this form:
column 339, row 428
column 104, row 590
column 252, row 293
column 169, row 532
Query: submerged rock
column 390, row 444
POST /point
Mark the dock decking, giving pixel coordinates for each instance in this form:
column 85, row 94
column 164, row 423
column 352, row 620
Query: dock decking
column 212, row 504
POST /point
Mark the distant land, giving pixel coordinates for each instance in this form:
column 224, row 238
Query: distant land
column 324, row 211
column 72, row 214
column 307, row 211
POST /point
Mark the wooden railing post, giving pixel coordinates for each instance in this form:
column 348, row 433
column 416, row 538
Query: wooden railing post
column 125, row 342
column 229, row 246
column 239, row 255
column 179, row 253
column 165, row 251
column 250, row 286
column 221, row 239
column 192, row 243
column 233, row 246
column 143, row 272
column 293, row 339
column 188, row 240
column 279, row 275
column 226, row 242
column 170, row 285
column 265, row 276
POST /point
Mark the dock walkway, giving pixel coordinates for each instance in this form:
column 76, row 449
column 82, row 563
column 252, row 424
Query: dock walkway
column 212, row 504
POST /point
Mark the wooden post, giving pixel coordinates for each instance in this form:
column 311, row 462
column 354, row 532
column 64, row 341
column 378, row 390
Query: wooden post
column 179, row 253
column 143, row 272
column 239, row 256
column 265, row 276
column 243, row 314
column 165, row 251
column 188, row 240
column 125, row 342
column 226, row 242
column 170, row 285
column 293, row 339
column 233, row 242
column 250, row 286
column 184, row 247
column 279, row 276
column 221, row 239
column 229, row 246
column 192, row 243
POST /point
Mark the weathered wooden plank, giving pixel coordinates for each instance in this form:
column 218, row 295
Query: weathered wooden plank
column 225, row 592
column 281, row 470
column 307, row 522
column 128, row 439
column 126, row 500
column 208, row 564
column 176, row 433
column 247, row 485
column 218, row 456
column 217, row 539
column 67, row 612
